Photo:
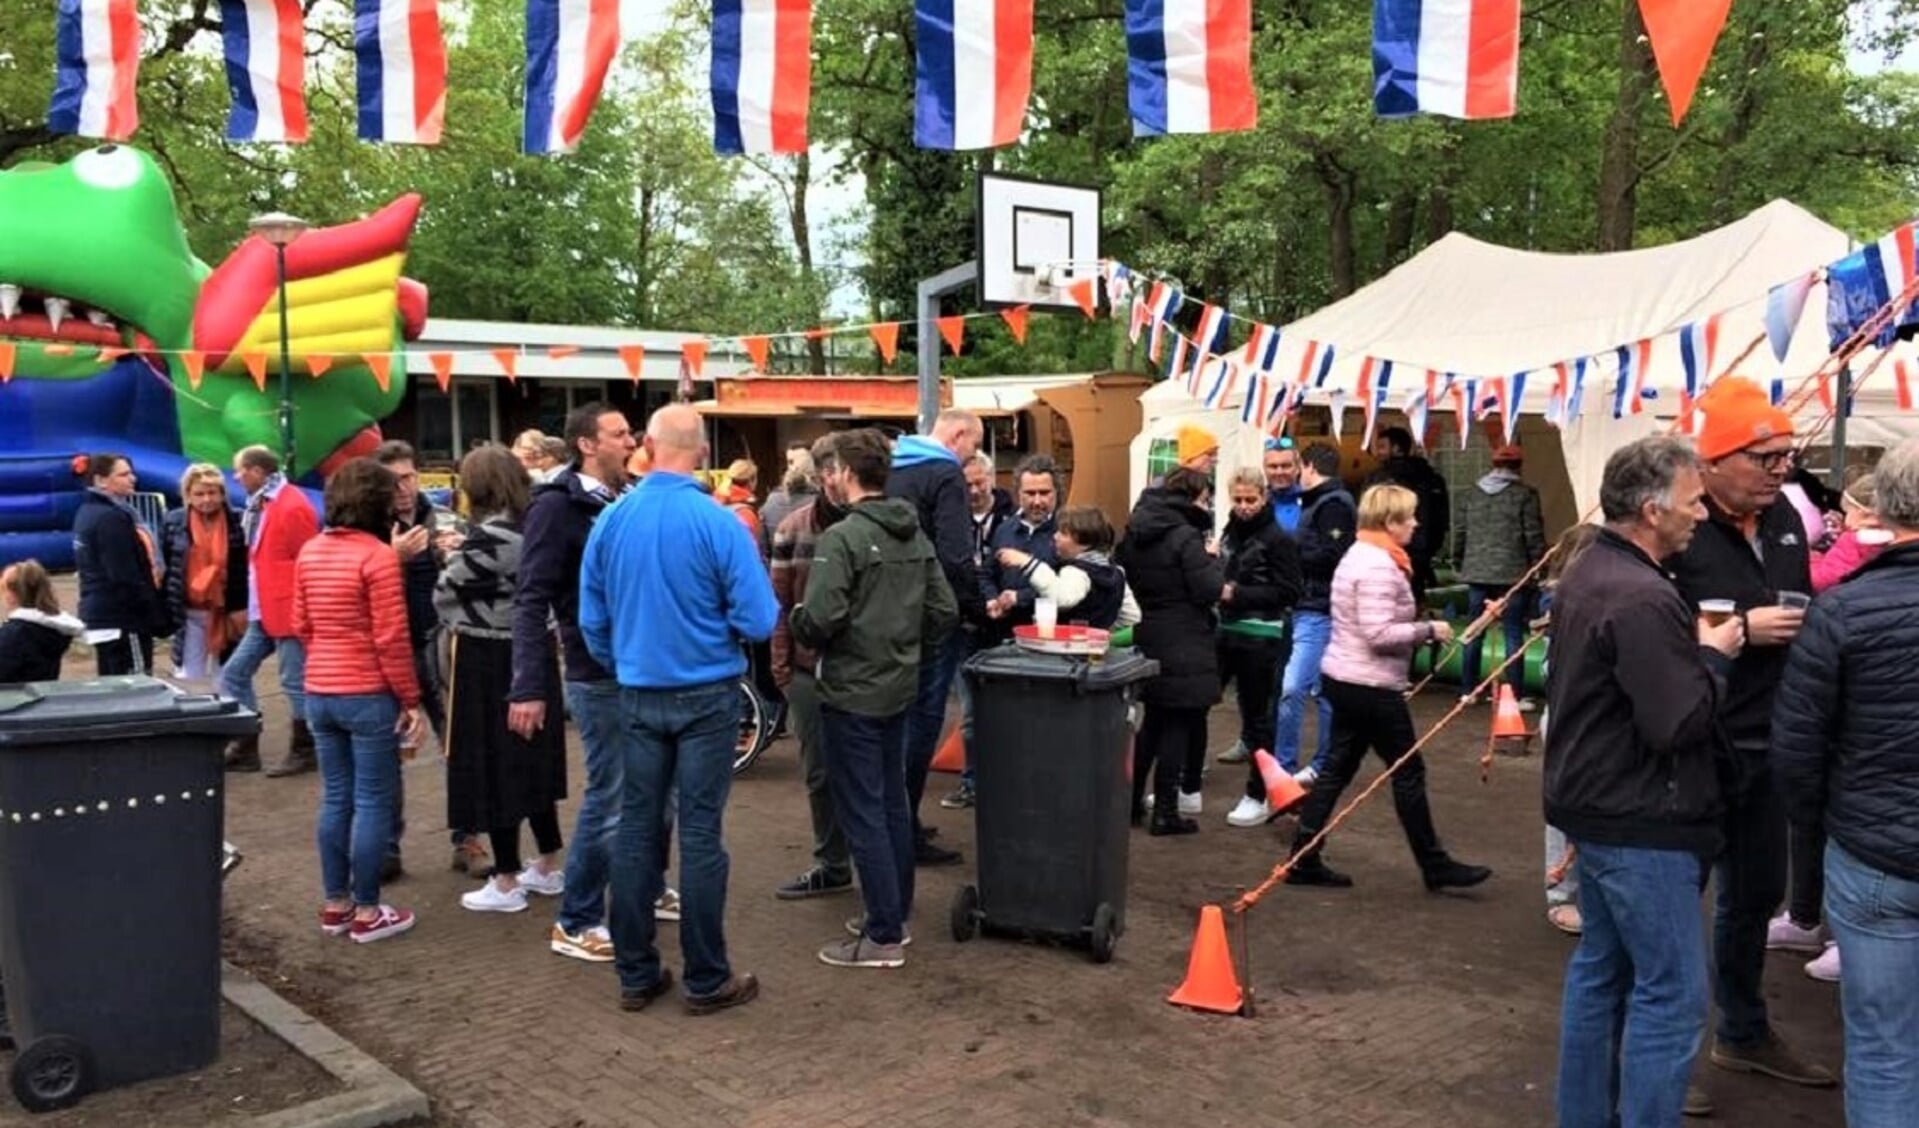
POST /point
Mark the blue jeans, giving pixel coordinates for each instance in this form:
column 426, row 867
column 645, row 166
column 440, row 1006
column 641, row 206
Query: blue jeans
column 1634, row 1011
column 596, row 712
column 1513, row 621
column 673, row 741
column 927, row 718
column 1312, row 630
column 869, row 800
column 359, row 757
column 1875, row 917
column 236, row 681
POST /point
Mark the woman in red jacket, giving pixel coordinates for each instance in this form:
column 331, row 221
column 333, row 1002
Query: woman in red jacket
column 349, row 611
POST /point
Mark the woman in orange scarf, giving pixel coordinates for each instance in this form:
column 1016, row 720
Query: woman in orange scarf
column 206, row 573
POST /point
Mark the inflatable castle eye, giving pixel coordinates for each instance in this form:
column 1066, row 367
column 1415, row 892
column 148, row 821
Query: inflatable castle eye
column 109, row 166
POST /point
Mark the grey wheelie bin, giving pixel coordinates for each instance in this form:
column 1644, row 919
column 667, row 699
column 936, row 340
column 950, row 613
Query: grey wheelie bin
column 111, row 812
column 1053, row 753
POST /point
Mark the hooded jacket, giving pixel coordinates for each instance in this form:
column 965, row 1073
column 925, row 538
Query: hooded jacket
column 1328, row 520
column 1500, row 531
column 929, row 476
column 33, row 642
column 1177, row 583
column 875, row 600
column 554, row 531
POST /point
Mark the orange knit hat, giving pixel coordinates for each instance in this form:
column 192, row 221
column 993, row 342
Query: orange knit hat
column 1195, row 441
column 1737, row 414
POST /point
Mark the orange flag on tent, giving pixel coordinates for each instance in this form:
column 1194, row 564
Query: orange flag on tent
column 382, row 366
column 256, row 363
column 1082, row 294
column 1683, row 33
column 195, row 362
column 954, row 330
column 633, row 356
column 509, row 363
column 1016, row 321
column 693, row 353
column 318, row 363
column 757, row 348
column 7, row 352
column 442, row 369
column 886, row 335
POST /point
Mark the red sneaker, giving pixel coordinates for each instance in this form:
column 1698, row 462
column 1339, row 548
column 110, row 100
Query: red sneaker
column 336, row 922
column 389, row 921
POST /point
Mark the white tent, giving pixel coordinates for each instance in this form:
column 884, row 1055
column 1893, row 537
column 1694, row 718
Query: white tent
column 1473, row 308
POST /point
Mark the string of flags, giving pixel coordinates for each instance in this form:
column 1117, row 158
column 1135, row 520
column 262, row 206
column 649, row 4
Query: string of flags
column 1189, row 67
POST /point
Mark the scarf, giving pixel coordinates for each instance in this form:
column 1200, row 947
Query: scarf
column 256, row 507
column 140, row 530
column 207, row 573
column 1379, row 538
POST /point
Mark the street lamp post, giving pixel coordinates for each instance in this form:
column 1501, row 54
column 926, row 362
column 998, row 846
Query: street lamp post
column 281, row 229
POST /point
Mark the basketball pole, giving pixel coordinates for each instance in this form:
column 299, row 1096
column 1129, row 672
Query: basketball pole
column 931, row 290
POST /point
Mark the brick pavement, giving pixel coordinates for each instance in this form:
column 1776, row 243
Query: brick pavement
column 1381, row 1006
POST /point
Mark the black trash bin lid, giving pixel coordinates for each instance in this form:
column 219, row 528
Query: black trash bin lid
column 103, row 709
column 1119, row 667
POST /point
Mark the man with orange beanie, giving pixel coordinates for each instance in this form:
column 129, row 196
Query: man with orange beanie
column 1751, row 551
column 1198, row 449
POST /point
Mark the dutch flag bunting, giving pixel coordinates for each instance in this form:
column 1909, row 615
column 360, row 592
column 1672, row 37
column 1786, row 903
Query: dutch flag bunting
column 1189, row 66
column 570, row 46
column 97, row 46
column 1262, row 348
column 762, row 77
column 1458, row 58
column 1785, row 303
column 265, row 52
column 974, row 72
column 401, row 76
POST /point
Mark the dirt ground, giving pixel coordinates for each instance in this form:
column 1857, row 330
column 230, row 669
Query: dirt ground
column 1380, row 1005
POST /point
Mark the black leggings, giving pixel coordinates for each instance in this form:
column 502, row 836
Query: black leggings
column 1806, row 860
column 1366, row 717
column 1254, row 666
column 506, row 839
column 1174, row 740
column 128, row 654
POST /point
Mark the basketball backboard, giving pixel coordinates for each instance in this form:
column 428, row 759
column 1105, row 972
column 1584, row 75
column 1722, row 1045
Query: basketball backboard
column 1035, row 239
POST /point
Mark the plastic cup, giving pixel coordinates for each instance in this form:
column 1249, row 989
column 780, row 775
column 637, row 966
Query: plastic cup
column 1717, row 611
column 1045, row 616
column 1795, row 600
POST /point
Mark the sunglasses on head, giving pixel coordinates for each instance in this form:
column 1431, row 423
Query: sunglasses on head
column 1282, row 443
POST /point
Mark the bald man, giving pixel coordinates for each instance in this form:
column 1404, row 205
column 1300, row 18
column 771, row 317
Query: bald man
column 671, row 591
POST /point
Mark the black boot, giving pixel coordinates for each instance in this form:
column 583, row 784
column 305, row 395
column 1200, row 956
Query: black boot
column 1167, row 820
column 243, row 755
column 300, row 754
column 1310, row 868
column 1449, row 874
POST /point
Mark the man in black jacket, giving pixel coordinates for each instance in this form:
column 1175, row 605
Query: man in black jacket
column 1327, row 521
column 1632, row 778
column 1846, row 756
column 1750, row 550
column 419, row 571
column 1399, row 465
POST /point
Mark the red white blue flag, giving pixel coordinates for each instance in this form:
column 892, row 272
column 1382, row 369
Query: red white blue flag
column 974, row 72
column 265, row 49
column 762, row 75
column 401, row 80
column 1189, row 66
column 1698, row 341
column 97, row 44
column 1210, row 339
column 570, row 46
column 1629, row 395
column 1458, row 58
column 1262, row 348
column 1785, row 304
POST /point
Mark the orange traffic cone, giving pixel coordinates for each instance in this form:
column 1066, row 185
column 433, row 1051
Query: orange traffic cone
column 1211, row 983
column 1282, row 790
column 1507, row 719
column 952, row 754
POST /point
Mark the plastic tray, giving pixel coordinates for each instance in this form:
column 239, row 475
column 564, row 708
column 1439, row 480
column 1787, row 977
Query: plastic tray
column 1066, row 639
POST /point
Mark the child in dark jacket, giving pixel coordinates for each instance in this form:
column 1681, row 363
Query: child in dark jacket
column 34, row 633
column 1086, row 585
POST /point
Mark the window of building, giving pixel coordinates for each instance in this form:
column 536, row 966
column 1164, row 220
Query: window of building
column 558, row 400
column 450, row 425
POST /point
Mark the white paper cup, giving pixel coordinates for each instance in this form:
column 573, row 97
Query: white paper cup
column 1045, row 616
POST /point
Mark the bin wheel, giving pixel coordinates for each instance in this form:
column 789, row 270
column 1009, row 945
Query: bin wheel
column 965, row 913
column 51, row 1073
column 1105, row 932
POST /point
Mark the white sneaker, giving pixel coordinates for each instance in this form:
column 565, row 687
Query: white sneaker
column 1784, row 935
column 1191, row 802
column 1826, row 968
column 552, row 883
column 1528, row 705
column 1237, row 754
column 668, row 906
column 490, row 898
column 1250, row 812
column 1306, row 777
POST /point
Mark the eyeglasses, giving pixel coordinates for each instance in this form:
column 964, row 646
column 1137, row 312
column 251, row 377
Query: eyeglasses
column 1773, row 459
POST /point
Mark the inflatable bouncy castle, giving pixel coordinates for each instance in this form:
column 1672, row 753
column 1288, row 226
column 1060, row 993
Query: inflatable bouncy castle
column 114, row 337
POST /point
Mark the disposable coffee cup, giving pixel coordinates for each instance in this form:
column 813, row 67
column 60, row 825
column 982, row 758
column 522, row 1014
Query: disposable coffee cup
column 1717, row 611
column 1045, row 616
column 1795, row 600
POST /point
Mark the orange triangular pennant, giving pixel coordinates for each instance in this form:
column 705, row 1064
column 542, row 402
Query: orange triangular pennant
column 1084, row 296
column 195, row 362
column 954, row 330
column 382, row 366
column 561, row 352
column 257, row 368
column 442, row 369
column 633, row 356
column 887, row 336
column 1683, row 33
column 509, row 363
column 758, row 348
column 1015, row 320
column 318, row 363
column 694, row 354
column 7, row 353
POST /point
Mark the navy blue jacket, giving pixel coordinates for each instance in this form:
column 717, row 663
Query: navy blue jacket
column 419, row 575
column 928, row 475
column 117, row 591
column 1327, row 522
column 996, row 578
column 555, row 531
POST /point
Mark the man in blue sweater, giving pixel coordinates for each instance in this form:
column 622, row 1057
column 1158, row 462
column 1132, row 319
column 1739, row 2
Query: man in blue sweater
column 671, row 590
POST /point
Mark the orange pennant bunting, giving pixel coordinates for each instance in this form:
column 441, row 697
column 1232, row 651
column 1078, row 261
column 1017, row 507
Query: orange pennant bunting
column 1683, row 33
column 954, row 330
column 561, row 352
column 509, row 363
column 887, row 336
column 758, row 348
column 7, row 353
column 1083, row 295
column 195, row 362
column 694, row 354
column 1015, row 320
column 382, row 366
column 633, row 356
column 257, row 368
column 442, row 369
column 318, row 363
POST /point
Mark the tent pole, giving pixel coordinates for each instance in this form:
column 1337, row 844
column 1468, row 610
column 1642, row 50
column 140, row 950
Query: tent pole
column 1843, row 409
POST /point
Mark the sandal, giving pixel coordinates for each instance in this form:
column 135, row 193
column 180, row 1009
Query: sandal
column 1565, row 917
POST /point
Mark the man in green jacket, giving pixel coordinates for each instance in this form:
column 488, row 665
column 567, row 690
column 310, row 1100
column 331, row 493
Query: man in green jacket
column 875, row 601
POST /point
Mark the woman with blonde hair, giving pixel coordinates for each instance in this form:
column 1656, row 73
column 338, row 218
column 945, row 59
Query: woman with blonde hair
column 1376, row 627
column 205, row 550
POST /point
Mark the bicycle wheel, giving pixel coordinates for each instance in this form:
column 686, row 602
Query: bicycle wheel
column 756, row 729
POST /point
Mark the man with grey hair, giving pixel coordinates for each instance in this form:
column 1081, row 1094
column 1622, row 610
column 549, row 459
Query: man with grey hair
column 1632, row 768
